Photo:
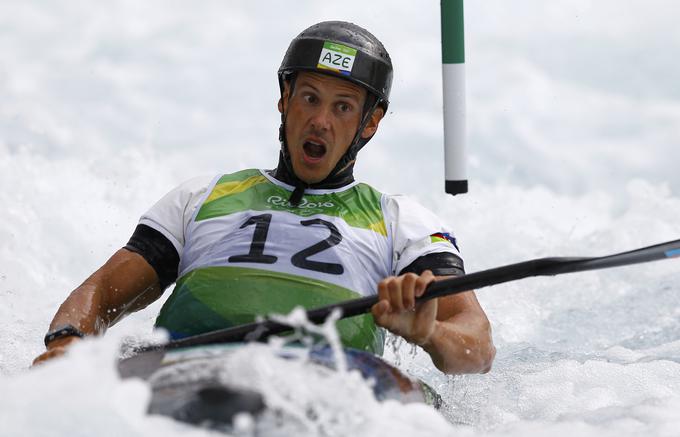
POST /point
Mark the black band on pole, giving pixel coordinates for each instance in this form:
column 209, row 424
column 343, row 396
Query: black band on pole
column 456, row 187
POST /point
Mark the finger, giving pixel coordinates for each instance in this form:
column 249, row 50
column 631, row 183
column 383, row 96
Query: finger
column 394, row 288
column 38, row 360
column 48, row 355
column 383, row 291
column 381, row 308
column 408, row 286
column 381, row 314
column 423, row 281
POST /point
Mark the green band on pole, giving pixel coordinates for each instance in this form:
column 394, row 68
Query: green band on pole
column 453, row 41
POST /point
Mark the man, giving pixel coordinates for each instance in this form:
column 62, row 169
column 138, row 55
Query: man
column 256, row 242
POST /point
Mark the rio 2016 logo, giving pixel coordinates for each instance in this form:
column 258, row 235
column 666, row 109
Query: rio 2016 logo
column 304, row 204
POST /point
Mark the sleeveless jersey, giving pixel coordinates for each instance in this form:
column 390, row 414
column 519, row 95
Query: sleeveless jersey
column 246, row 251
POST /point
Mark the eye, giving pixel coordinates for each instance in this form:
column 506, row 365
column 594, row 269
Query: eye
column 310, row 98
column 344, row 107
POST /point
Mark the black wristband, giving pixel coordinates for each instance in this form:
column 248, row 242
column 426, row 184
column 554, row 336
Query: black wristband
column 62, row 331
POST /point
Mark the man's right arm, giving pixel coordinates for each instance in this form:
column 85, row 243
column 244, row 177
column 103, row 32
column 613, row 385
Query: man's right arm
column 136, row 275
column 124, row 284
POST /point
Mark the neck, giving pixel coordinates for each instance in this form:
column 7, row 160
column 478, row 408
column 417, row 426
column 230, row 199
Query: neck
column 336, row 179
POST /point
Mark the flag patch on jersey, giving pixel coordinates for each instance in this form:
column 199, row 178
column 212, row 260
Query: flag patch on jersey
column 444, row 237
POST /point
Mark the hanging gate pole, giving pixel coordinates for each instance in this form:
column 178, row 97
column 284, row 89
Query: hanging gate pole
column 453, row 60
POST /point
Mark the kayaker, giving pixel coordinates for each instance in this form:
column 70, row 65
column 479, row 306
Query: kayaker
column 305, row 233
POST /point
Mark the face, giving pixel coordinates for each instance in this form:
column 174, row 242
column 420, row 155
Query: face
column 323, row 115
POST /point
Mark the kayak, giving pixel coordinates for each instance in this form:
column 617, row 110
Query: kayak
column 188, row 384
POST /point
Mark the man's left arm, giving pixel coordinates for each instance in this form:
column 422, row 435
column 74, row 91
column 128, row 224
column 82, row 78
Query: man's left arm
column 454, row 330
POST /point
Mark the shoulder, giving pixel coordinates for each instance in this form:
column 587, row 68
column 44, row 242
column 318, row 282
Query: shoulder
column 364, row 191
column 402, row 207
column 241, row 176
column 186, row 196
column 174, row 211
column 196, row 187
column 398, row 208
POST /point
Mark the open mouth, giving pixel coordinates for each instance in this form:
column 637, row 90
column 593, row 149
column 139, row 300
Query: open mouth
column 314, row 150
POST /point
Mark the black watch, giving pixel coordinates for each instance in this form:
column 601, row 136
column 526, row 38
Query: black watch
column 61, row 332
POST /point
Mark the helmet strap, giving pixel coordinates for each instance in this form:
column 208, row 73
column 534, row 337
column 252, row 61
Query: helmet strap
column 359, row 142
column 286, row 173
column 346, row 162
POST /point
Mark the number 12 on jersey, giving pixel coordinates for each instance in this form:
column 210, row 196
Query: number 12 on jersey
column 299, row 259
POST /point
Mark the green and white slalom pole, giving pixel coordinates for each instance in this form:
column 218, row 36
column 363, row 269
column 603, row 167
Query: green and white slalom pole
column 453, row 60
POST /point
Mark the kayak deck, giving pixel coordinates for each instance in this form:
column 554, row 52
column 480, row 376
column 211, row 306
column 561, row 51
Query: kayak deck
column 186, row 383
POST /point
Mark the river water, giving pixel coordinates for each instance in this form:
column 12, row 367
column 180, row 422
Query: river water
column 573, row 122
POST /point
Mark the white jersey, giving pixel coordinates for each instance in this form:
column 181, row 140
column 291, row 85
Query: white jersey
column 243, row 246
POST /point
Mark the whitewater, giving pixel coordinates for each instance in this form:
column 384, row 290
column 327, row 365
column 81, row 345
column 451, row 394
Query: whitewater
column 573, row 126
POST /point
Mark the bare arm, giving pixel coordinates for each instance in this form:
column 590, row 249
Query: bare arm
column 124, row 284
column 453, row 330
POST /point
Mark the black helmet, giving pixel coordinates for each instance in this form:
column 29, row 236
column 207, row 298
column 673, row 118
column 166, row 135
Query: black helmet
column 342, row 49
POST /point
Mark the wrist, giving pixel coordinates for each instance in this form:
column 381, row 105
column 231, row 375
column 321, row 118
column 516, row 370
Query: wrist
column 63, row 342
column 426, row 342
column 61, row 333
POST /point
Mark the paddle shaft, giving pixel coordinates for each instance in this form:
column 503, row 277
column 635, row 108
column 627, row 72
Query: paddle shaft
column 445, row 287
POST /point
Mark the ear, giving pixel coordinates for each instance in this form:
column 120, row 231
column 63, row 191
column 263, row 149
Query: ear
column 284, row 97
column 372, row 125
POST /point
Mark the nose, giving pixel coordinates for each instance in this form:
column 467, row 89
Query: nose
column 321, row 118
